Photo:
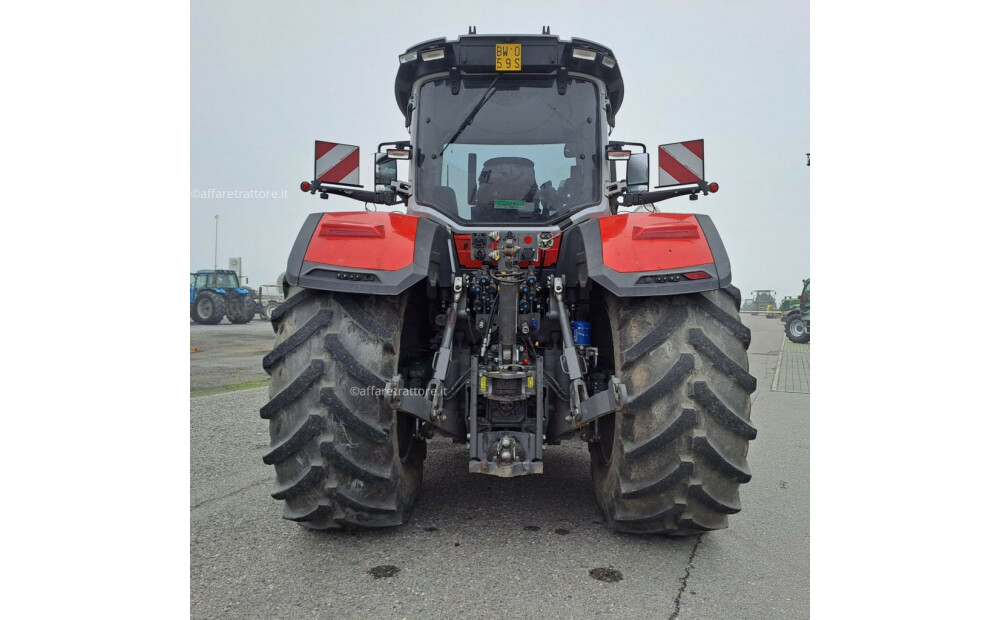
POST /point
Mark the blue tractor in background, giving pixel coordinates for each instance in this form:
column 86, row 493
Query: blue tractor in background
column 216, row 293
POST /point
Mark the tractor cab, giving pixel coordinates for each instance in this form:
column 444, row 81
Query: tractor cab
column 510, row 131
column 508, row 149
column 215, row 279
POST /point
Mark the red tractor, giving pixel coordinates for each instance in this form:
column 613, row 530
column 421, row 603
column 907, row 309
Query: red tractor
column 527, row 295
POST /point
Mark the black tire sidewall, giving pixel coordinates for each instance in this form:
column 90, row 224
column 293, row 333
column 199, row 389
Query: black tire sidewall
column 218, row 308
column 239, row 309
column 407, row 468
column 790, row 328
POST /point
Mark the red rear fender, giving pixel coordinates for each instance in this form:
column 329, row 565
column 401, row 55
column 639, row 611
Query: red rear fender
column 647, row 254
column 368, row 252
column 364, row 240
column 653, row 242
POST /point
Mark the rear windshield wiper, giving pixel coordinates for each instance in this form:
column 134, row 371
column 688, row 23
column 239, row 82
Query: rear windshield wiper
column 468, row 119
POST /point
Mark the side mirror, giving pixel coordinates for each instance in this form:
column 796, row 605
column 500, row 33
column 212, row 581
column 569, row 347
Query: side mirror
column 637, row 173
column 386, row 168
column 681, row 163
column 385, row 171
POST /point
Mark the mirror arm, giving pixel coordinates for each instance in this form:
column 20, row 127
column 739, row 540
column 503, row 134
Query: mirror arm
column 615, row 189
column 361, row 195
column 646, row 198
column 401, row 188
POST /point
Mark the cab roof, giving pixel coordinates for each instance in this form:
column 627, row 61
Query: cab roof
column 542, row 54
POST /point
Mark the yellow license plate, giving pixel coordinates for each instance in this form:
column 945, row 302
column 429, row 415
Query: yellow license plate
column 508, row 56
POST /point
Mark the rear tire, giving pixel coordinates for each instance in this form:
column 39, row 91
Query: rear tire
column 209, row 308
column 342, row 458
column 239, row 308
column 674, row 461
column 795, row 329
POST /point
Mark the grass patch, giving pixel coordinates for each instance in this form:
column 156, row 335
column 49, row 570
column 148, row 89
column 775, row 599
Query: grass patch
column 222, row 389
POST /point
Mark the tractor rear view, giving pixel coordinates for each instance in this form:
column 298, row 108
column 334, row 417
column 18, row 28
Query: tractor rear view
column 530, row 294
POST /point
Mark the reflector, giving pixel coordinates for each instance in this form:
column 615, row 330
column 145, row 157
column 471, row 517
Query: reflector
column 351, row 229
column 666, row 231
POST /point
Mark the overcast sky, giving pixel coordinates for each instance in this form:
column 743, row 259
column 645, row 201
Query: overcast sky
column 267, row 79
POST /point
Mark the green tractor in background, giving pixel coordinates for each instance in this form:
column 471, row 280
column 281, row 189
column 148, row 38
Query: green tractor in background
column 797, row 321
column 787, row 304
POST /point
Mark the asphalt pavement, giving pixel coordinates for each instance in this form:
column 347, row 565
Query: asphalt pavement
column 229, row 355
column 479, row 546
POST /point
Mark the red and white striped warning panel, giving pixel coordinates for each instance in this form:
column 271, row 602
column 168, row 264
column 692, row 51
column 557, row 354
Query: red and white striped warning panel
column 338, row 163
column 682, row 162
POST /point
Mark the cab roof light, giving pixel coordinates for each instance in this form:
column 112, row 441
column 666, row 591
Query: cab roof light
column 608, row 62
column 407, row 57
column 437, row 54
column 583, row 54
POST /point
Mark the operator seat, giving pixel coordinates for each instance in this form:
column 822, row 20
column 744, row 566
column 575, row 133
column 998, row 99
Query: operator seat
column 505, row 178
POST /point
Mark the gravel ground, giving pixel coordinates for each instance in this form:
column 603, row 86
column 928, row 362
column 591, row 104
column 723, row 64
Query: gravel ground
column 533, row 546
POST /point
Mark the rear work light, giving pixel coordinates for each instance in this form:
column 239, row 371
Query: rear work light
column 407, row 57
column 583, row 54
column 679, row 230
column 437, row 54
column 351, row 229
